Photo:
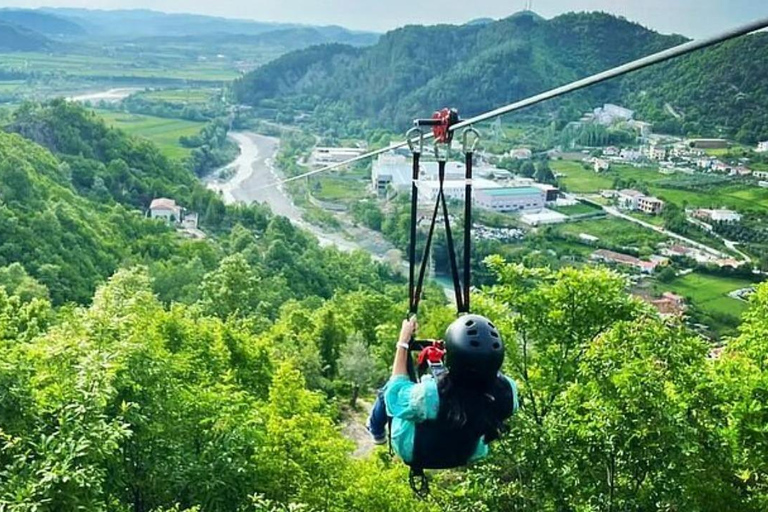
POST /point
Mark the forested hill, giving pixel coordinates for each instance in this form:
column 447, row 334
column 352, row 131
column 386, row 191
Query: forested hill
column 74, row 197
column 45, row 23
column 415, row 69
column 15, row 38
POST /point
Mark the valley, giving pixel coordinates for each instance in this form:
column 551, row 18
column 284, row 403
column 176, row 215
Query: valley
column 183, row 331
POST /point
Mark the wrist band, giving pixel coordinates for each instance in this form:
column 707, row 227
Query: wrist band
column 404, row 346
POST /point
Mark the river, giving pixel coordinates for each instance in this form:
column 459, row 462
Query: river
column 255, row 168
column 110, row 96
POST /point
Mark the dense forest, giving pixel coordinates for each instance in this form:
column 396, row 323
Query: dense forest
column 477, row 67
column 143, row 371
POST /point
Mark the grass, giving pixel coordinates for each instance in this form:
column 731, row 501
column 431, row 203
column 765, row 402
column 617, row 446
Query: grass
column 710, row 292
column 162, row 131
column 616, row 232
column 735, row 195
column 118, row 66
column 577, row 209
column 339, row 189
column 185, row 96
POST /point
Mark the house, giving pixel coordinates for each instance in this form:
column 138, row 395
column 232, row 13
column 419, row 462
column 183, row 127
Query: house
column 611, row 151
column 760, row 174
column 630, row 155
column 590, row 239
column 655, row 152
column 650, row 205
column 165, row 209
column 628, row 199
column 609, row 114
column 521, row 154
column 510, row 199
column 763, row 184
column 762, row 147
column 600, row 164
column 719, row 166
column 670, row 304
column 646, row 267
column 190, row 221
column 740, row 171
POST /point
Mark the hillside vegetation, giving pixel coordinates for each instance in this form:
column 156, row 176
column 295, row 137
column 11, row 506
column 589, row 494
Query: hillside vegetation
column 15, row 38
column 477, row 67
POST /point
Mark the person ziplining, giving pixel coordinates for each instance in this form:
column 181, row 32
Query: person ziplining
column 445, row 415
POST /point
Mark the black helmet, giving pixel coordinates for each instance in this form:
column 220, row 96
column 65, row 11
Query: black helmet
column 473, row 349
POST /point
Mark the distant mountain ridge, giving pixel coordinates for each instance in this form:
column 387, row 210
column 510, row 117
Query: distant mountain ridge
column 477, row 67
column 15, row 38
column 42, row 22
column 141, row 23
column 414, row 69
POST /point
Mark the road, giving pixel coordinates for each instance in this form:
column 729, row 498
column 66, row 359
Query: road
column 255, row 168
column 616, row 213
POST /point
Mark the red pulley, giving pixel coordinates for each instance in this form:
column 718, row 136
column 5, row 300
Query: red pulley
column 445, row 118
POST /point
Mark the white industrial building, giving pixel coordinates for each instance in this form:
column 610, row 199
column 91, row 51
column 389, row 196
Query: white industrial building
column 453, row 189
column 323, row 155
column 721, row 215
column 543, row 217
column 510, row 199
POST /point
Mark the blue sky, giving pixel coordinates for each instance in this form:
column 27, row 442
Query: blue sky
column 693, row 18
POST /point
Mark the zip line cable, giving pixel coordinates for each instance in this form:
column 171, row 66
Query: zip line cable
column 603, row 76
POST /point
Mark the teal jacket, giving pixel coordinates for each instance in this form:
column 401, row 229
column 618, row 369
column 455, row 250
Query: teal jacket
column 410, row 403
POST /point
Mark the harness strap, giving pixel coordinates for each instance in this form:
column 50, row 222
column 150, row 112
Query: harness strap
column 413, row 297
column 449, row 240
column 425, row 258
column 419, row 482
column 468, row 155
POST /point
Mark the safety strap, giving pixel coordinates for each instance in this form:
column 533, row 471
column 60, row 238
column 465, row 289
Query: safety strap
column 468, row 157
column 419, row 482
column 440, row 202
column 413, row 306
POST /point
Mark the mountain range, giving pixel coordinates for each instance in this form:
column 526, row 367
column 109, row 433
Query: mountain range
column 478, row 66
column 35, row 27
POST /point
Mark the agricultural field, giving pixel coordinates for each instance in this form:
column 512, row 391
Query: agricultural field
column 339, row 189
column 162, row 131
column 613, row 231
column 709, row 294
column 698, row 191
column 577, row 209
column 118, row 65
column 185, row 96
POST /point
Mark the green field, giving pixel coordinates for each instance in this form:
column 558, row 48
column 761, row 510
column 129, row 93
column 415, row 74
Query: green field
column 737, row 196
column 614, row 231
column 577, row 209
column 162, row 131
column 186, row 96
column 118, row 66
column 339, row 189
column 710, row 294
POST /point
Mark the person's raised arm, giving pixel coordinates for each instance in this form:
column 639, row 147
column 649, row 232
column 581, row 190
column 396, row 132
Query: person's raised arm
column 400, row 366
